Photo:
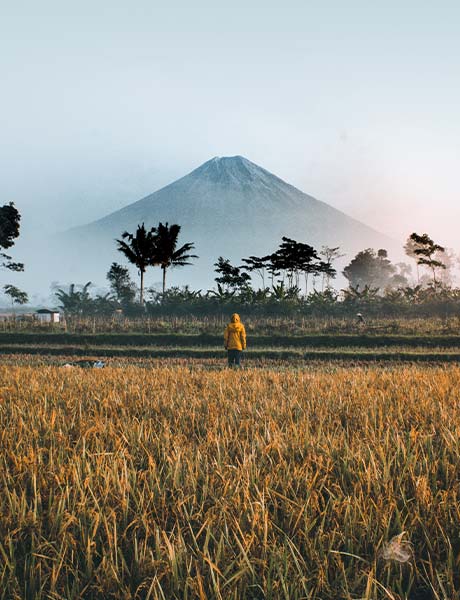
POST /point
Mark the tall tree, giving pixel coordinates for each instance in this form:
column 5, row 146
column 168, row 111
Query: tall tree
column 295, row 258
column 9, row 230
column 272, row 267
column 330, row 254
column 327, row 271
column 310, row 264
column 409, row 248
column 166, row 253
column 75, row 302
column 232, row 278
column 121, row 285
column 140, row 249
column 448, row 259
column 16, row 295
column 371, row 269
column 285, row 261
column 428, row 253
column 258, row 265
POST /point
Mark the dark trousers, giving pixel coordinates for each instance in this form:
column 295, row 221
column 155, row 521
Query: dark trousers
column 234, row 357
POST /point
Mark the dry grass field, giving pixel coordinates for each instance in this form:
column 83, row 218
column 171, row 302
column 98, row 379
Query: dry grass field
column 168, row 483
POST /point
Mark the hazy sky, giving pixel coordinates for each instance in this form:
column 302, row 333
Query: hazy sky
column 355, row 102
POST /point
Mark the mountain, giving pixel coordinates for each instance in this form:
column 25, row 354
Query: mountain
column 228, row 207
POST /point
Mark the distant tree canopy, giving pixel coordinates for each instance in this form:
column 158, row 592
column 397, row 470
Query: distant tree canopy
column 139, row 249
column 426, row 253
column 78, row 301
column 121, row 286
column 16, row 295
column 374, row 281
column 156, row 247
column 230, row 278
column 376, row 285
column 9, row 231
column 373, row 270
column 75, row 302
column 409, row 248
column 294, row 259
column 330, row 254
column 166, row 254
column 255, row 264
column 290, row 262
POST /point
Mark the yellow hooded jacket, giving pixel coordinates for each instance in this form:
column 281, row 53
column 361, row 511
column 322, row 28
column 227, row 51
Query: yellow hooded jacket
column 235, row 334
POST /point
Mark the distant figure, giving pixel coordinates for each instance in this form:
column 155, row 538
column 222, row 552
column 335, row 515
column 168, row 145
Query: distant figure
column 360, row 319
column 235, row 340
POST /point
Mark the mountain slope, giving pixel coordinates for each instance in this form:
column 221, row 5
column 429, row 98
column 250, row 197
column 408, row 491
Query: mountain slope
column 228, row 206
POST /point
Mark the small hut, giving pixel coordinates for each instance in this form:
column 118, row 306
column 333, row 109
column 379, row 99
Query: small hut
column 44, row 315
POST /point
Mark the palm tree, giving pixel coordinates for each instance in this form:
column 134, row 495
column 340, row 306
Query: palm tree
column 75, row 302
column 139, row 249
column 166, row 252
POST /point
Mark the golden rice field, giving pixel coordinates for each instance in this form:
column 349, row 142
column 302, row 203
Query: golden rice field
column 173, row 483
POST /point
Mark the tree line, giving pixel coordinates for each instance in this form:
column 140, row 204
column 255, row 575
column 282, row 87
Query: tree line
column 294, row 273
column 295, row 276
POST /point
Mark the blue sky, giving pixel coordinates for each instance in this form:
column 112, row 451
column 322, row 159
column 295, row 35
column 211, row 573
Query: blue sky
column 354, row 102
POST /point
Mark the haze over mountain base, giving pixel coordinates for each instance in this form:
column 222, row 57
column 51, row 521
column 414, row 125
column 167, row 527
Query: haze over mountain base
column 228, row 207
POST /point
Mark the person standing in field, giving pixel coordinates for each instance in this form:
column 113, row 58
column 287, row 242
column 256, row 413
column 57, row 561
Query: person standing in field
column 235, row 340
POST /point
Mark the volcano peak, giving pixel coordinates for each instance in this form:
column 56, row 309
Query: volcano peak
column 230, row 170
